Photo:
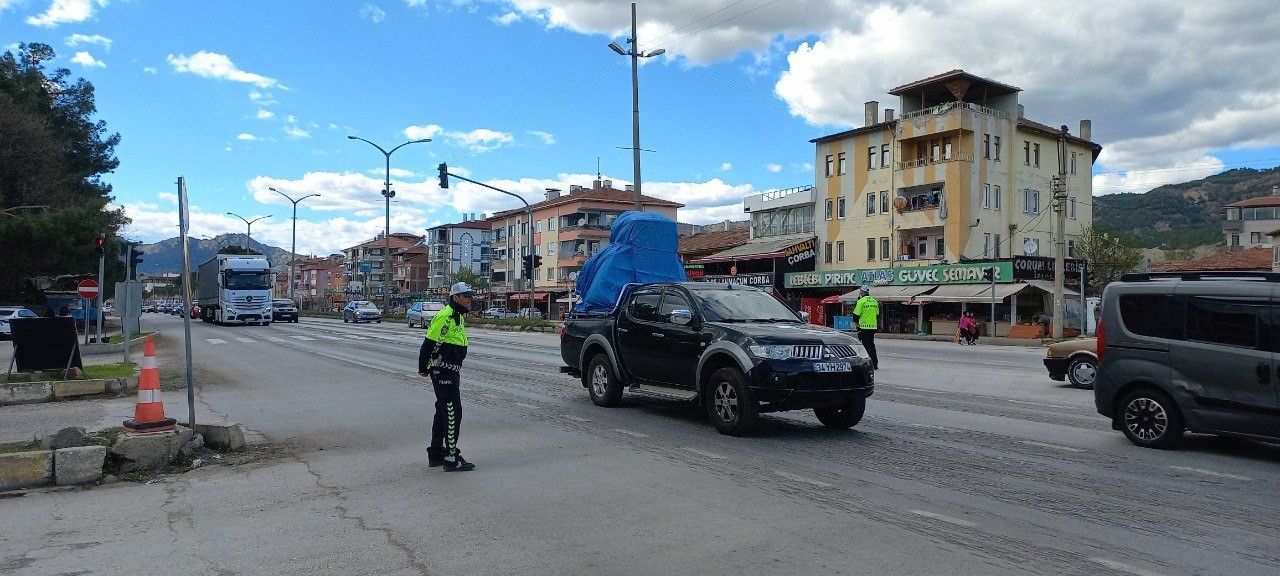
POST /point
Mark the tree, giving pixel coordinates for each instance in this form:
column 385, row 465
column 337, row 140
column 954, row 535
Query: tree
column 1109, row 257
column 239, row 250
column 52, row 200
column 465, row 274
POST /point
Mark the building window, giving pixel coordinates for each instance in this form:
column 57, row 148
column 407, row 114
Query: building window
column 996, row 199
column 884, row 202
column 884, row 248
column 941, row 248
column 986, row 195
column 1235, row 239
column 997, row 246
column 538, row 226
column 551, row 248
column 1071, row 248
column 1073, row 161
column 1255, row 237
column 995, row 148
column 831, row 165
column 1035, row 201
column 840, row 208
column 827, row 209
column 922, row 247
column 1026, row 152
column 871, row 203
column 871, row 249
column 946, row 148
column 986, row 245
column 551, row 223
column 935, row 149
column 1035, row 154
column 842, row 163
column 840, row 251
column 986, row 146
column 871, row 157
column 826, row 252
column 884, row 155
column 537, row 249
column 1071, row 208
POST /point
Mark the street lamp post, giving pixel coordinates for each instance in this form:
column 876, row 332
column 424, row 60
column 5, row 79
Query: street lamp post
column 635, row 55
column 293, row 248
column 387, row 193
column 248, row 232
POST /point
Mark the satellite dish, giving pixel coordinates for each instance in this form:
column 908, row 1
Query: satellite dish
column 573, row 276
column 1030, row 246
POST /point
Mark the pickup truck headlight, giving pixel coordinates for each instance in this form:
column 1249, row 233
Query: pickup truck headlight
column 771, row 352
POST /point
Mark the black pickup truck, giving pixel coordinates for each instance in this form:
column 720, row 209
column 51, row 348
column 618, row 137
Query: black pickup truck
column 735, row 350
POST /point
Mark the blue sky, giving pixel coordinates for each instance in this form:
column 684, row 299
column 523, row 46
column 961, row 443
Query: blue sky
column 524, row 94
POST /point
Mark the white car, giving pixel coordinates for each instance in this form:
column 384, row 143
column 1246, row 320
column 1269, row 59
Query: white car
column 8, row 313
column 421, row 313
column 498, row 312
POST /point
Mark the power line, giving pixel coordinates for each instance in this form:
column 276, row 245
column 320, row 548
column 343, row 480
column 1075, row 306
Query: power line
column 695, row 22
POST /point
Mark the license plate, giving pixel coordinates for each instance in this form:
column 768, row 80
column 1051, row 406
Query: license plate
column 833, row 367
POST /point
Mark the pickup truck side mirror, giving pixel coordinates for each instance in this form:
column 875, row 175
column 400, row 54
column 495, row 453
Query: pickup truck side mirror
column 682, row 317
column 805, row 316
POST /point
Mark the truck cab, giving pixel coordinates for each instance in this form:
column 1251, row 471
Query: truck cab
column 235, row 289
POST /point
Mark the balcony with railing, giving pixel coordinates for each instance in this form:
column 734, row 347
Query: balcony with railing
column 932, row 160
column 950, row 106
column 587, row 220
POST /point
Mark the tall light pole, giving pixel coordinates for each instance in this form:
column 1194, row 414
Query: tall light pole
column 248, row 232
column 1059, row 252
column 387, row 193
column 293, row 248
column 635, row 55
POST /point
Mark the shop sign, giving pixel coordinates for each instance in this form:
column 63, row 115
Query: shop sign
column 1041, row 267
column 953, row 274
column 801, row 252
column 760, row 279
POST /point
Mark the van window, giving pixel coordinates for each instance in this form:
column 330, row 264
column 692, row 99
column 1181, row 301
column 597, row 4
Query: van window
column 1222, row 322
column 1147, row 315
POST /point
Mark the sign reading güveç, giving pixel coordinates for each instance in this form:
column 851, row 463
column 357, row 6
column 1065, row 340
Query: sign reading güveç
column 956, row 274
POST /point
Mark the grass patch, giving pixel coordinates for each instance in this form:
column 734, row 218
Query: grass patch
column 119, row 338
column 16, row 447
column 110, row 434
column 117, row 370
column 523, row 323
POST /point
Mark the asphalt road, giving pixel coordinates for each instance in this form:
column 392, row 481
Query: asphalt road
column 969, row 461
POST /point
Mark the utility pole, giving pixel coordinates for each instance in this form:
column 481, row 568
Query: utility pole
column 102, row 259
column 1059, row 252
column 635, row 55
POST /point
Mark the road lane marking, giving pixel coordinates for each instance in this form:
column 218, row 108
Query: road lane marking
column 274, row 339
column 216, row 340
column 1212, row 473
column 1121, row 566
column 247, row 340
column 1053, row 446
column 798, row 478
column 630, row 433
column 303, row 338
column 576, row 418
column 329, row 337
column 359, row 337
column 1038, row 404
column 526, row 405
column 704, row 454
column 943, row 518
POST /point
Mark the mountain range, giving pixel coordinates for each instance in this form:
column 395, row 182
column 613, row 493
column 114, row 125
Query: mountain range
column 165, row 256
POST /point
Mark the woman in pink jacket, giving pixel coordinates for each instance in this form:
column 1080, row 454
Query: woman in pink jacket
column 968, row 328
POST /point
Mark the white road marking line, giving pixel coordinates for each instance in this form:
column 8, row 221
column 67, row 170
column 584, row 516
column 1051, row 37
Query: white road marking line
column 303, row 338
column 704, row 454
column 274, row 339
column 329, row 337
column 943, row 518
column 799, row 478
column 1053, row 446
column 1038, row 404
column 1121, row 566
column 247, row 340
column 359, row 337
column 216, row 340
column 576, row 418
column 1212, row 473
column 526, row 405
column 630, row 433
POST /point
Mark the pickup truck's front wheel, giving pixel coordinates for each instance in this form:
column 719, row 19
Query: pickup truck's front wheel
column 842, row 417
column 603, row 384
column 732, row 408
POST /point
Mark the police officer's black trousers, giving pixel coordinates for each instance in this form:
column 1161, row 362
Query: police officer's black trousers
column 868, row 338
column 448, row 420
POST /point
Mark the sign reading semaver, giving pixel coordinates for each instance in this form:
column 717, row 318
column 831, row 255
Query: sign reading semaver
column 954, row 274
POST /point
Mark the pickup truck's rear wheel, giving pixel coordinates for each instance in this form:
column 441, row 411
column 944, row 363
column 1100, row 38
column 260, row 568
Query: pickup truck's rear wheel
column 602, row 383
column 730, row 404
column 842, row 417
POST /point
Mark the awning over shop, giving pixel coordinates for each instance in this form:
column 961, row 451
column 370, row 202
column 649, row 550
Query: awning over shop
column 891, row 293
column 1047, row 286
column 757, row 249
column 831, row 299
column 1002, row 291
column 950, row 293
column 572, row 300
column 524, row 297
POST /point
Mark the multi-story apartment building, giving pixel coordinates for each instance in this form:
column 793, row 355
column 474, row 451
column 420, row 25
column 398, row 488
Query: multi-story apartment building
column 457, row 246
column 566, row 230
column 367, row 267
column 1247, row 223
column 318, row 277
column 412, row 270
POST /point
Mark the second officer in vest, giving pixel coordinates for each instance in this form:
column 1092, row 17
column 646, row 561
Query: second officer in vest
column 441, row 357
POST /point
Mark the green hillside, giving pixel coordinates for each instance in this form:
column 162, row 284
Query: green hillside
column 1182, row 215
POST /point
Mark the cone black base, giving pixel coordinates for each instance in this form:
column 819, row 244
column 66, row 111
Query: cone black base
column 157, row 426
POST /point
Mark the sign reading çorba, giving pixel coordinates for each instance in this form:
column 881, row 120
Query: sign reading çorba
column 952, row 274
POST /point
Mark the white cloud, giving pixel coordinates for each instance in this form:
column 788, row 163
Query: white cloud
column 373, row 13
column 64, row 11
column 295, row 132
column 727, row 166
column 264, row 114
column 261, row 99
column 775, row 168
column 246, row 136
column 168, row 197
column 87, row 60
column 505, row 19
column 480, row 139
column 546, row 137
column 420, row 132
column 218, row 66
column 149, row 69
column 97, row 40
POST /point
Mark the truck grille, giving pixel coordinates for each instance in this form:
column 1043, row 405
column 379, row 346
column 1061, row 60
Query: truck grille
column 841, row 351
column 243, row 303
column 810, row 352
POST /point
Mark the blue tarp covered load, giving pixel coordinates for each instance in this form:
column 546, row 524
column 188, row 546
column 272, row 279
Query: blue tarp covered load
column 642, row 249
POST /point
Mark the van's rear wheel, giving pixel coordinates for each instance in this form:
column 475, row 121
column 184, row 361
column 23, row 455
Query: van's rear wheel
column 1150, row 419
column 730, row 405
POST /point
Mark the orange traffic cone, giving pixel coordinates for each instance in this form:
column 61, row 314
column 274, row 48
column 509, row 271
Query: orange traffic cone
column 149, row 415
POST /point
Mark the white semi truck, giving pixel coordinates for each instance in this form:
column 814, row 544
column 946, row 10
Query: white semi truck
column 235, row 289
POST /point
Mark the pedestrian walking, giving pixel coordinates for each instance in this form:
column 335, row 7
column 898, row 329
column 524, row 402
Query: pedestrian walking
column 969, row 328
column 867, row 309
column 441, row 356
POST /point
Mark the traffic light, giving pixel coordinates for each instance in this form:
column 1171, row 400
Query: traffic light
column 135, row 257
column 100, row 244
column 444, row 175
column 527, row 261
column 537, row 261
column 989, row 274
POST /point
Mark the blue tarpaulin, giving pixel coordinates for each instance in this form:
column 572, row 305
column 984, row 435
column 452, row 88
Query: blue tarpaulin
column 642, row 249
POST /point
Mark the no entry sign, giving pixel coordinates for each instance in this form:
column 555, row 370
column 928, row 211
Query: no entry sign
column 88, row 289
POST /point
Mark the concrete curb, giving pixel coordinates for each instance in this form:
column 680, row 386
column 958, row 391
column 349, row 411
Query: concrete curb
column 99, row 349
column 37, row 392
column 987, row 340
column 25, row 469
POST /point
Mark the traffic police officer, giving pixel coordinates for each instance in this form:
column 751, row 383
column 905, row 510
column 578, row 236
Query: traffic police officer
column 441, row 357
column 868, row 312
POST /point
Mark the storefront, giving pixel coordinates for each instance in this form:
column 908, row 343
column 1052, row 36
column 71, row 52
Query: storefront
column 761, row 262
